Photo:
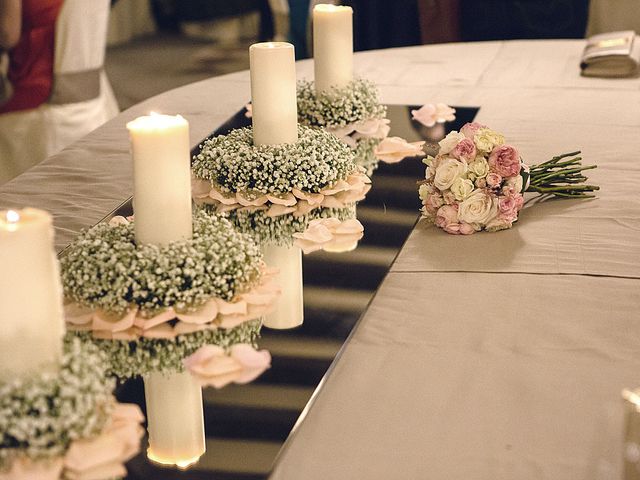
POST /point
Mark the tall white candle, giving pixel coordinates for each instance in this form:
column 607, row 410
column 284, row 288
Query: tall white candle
column 162, row 209
column 289, row 311
column 31, row 316
column 175, row 419
column 273, row 93
column 332, row 46
column 162, row 178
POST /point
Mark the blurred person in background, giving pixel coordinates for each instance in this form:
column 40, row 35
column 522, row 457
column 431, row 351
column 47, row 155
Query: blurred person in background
column 60, row 91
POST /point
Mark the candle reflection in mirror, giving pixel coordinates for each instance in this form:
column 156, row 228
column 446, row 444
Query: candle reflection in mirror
column 176, row 420
column 289, row 311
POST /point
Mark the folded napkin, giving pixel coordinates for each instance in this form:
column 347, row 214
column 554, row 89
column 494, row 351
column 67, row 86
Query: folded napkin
column 614, row 54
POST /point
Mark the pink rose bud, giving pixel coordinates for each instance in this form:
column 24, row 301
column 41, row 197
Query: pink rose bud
column 493, row 180
column 447, row 215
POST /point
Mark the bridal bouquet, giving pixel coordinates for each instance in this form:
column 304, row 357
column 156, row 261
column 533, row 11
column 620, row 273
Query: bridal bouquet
column 477, row 181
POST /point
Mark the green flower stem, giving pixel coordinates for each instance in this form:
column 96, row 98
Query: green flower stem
column 563, row 179
column 562, row 174
column 556, row 159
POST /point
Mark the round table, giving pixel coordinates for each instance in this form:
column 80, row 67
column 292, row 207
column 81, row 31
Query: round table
column 483, row 357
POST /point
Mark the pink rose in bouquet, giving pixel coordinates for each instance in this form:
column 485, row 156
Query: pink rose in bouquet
column 464, row 150
column 505, row 161
column 476, row 181
column 469, row 129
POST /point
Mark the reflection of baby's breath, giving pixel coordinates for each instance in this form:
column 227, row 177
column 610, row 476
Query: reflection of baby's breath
column 132, row 358
column 279, row 230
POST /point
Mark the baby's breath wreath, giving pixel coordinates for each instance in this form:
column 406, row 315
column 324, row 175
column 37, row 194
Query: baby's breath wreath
column 272, row 192
column 41, row 415
column 233, row 164
column 353, row 113
column 143, row 304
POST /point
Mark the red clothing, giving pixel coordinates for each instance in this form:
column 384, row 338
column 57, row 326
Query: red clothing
column 31, row 60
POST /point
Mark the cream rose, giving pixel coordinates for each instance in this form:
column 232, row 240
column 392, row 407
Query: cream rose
column 479, row 167
column 425, row 190
column 516, row 183
column 462, row 188
column 449, row 142
column 447, row 172
column 479, row 207
column 486, row 139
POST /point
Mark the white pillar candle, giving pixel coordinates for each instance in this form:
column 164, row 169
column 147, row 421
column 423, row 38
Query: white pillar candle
column 332, row 46
column 162, row 209
column 162, row 178
column 31, row 316
column 289, row 311
column 175, row 419
column 273, row 93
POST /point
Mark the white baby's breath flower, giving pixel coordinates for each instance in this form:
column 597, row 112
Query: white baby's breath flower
column 234, row 164
column 338, row 107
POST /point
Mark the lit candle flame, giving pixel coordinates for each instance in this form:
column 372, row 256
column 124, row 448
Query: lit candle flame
column 13, row 216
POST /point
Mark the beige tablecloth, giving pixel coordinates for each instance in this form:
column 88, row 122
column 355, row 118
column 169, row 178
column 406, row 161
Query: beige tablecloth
column 495, row 356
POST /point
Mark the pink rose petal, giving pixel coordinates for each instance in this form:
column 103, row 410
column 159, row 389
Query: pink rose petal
column 26, row 469
column 164, row 331
column 339, row 186
column 162, row 317
column 251, row 202
column 278, row 210
column 206, row 313
column 182, row 328
column 394, row 149
column 311, row 198
column 223, row 198
column 114, row 323
column 76, row 314
column 230, row 308
column 199, row 187
column 287, row 200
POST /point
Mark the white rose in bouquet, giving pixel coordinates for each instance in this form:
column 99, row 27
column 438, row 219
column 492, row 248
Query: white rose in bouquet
column 516, row 183
column 479, row 167
column 448, row 171
column 478, row 208
column 461, row 188
column 486, row 139
column 449, row 142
